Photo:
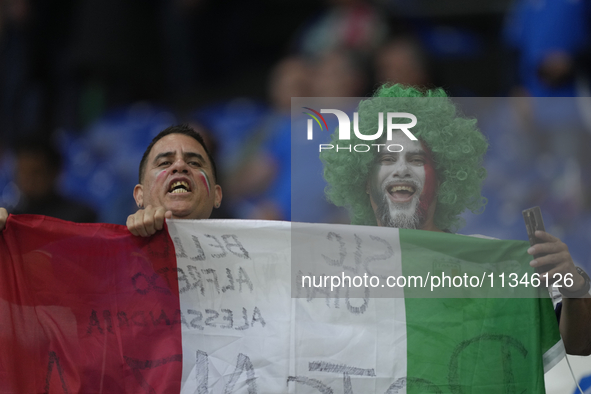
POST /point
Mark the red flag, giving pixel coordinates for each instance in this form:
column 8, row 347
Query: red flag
column 87, row 308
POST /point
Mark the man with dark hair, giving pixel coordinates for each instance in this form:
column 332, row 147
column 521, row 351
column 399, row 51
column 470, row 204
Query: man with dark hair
column 177, row 179
column 426, row 184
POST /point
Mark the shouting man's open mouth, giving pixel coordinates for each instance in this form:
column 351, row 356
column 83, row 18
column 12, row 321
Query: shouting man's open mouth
column 177, row 187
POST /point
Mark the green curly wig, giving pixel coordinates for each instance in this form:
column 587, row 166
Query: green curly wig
column 457, row 147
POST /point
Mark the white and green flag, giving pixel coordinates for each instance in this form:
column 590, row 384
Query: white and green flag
column 276, row 307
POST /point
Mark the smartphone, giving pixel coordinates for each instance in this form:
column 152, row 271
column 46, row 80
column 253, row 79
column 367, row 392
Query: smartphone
column 533, row 222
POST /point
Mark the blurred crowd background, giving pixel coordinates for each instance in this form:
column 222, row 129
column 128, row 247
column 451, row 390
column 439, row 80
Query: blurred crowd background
column 86, row 84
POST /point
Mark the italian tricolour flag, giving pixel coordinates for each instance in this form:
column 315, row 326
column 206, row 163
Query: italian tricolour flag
column 220, row 307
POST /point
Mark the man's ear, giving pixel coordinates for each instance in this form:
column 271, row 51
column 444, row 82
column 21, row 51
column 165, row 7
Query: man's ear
column 138, row 195
column 218, row 196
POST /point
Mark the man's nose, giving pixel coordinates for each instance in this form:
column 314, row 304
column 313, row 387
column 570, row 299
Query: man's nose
column 180, row 165
column 401, row 169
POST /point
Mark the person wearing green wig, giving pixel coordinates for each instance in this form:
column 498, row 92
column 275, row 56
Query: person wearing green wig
column 453, row 145
column 426, row 184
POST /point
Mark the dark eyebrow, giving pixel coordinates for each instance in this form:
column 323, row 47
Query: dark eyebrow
column 187, row 155
column 161, row 155
column 192, row 155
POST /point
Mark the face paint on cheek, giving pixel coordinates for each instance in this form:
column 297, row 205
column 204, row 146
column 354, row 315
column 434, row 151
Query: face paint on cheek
column 430, row 188
column 205, row 180
column 161, row 175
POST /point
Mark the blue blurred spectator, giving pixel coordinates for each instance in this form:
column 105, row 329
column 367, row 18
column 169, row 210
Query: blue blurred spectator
column 278, row 175
column 549, row 37
column 259, row 183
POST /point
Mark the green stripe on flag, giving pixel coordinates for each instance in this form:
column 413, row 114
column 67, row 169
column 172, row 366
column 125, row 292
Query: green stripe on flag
column 473, row 345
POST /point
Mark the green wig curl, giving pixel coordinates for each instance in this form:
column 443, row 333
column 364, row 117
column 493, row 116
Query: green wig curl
column 457, row 148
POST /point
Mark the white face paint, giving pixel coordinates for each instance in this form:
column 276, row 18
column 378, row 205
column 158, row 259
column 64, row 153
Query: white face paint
column 397, row 182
